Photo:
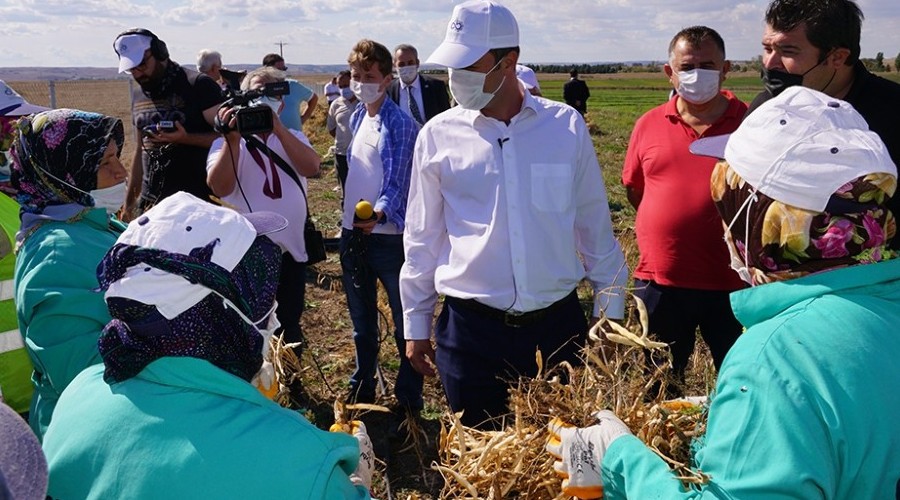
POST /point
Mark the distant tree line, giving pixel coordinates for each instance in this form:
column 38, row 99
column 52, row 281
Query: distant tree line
column 878, row 64
column 753, row 65
column 584, row 69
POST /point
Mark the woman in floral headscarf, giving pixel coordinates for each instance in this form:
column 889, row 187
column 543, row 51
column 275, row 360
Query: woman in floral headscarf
column 806, row 403
column 68, row 178
column 773, row 241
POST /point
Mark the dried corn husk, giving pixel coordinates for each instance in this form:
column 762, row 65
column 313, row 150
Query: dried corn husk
column 512, row 462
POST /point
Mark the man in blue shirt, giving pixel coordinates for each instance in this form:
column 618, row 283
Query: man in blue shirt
column 290, row 115
column 380, row 166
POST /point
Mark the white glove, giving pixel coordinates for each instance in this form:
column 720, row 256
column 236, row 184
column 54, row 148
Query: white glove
column 579, row 452
column 362, row 476
column 265, row 380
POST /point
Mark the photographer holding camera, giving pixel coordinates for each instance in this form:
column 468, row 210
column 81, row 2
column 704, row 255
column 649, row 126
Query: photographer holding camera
column 247, row 169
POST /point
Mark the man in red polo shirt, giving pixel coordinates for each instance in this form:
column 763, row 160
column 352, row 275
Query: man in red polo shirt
column 683, row 274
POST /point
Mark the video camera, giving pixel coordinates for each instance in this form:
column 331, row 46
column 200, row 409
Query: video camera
column 251, row 118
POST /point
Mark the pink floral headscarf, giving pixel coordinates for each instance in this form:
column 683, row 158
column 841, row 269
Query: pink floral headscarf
column 786, row 242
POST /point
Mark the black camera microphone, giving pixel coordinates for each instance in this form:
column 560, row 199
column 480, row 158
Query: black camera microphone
column 251, row 118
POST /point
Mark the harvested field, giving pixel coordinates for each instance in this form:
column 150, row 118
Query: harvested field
column 415, row 462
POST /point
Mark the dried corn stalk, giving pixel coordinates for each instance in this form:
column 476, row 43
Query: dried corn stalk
column 512, row 463
column 287, row 369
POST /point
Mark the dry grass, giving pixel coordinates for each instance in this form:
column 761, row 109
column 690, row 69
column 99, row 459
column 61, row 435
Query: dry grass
column 512, row 463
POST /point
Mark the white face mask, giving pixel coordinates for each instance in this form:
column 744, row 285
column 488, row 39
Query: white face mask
column 273, row 103
column 111, row 198
column 740, row 263
column 366, row 92
column 346, row 92
column 467, row 87
column 698, row 86
column 408, row 74
column 272, row 323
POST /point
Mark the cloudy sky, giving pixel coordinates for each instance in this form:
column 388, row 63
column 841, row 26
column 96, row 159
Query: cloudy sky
column 80, row 32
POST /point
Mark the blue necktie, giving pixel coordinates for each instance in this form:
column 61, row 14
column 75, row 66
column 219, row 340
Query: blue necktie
column 414, row 106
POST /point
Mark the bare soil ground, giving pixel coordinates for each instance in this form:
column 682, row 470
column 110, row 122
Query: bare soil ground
column 329, row 359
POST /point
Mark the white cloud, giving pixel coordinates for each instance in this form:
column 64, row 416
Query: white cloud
column 66, row 32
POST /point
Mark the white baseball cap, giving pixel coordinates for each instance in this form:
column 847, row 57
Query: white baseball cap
column 527, row 76
column 12, row 104
column 131, row 50
column 800, row 147
column 179, row 224
column 476, row 27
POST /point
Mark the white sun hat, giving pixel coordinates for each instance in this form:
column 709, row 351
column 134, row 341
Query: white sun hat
column 800, row 147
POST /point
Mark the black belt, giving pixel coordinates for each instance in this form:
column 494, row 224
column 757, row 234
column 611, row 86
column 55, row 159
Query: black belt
column 509, row 318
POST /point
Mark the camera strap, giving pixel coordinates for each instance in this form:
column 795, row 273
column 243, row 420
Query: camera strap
column 254, row 143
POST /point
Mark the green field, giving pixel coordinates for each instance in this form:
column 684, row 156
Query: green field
column 614, row 106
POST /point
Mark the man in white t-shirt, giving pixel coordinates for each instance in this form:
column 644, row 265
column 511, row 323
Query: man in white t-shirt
column 332, row 90
column 338, row 123
column 242, row 173
column 380, row 158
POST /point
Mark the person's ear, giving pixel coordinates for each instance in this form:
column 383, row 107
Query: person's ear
column 838, row 57
column 513, row 58
column 725, row 69
column 386, row 82
column 668, row 71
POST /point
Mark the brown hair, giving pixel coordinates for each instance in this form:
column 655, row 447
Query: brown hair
column 367, row 52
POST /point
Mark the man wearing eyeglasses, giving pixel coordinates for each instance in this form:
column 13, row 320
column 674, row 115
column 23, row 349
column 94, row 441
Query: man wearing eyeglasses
column 173, row 109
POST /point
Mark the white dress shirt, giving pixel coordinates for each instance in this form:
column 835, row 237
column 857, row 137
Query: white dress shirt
column 502, row 224
column 416, row 92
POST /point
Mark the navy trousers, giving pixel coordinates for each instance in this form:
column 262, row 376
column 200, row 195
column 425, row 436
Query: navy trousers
column 478, row 356
column 365, row 259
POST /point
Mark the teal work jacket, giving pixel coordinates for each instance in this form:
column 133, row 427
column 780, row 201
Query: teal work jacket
column 60, row 314
column 184, row 428
column 806, row 404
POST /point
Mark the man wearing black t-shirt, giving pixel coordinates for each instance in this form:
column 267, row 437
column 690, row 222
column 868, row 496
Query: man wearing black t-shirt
column 173, row 110
column 815, row 43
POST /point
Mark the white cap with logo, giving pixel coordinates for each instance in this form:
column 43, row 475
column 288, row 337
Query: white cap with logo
column 476, row 27
column 131, row 50
column 800, row 147
column 12, row 104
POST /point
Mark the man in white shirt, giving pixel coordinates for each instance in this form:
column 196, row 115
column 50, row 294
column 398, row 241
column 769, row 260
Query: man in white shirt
column 338, row 124
column 506, row 192
column 332, row 90
column 429, row 95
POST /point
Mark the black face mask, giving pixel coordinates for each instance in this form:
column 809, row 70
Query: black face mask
column 776, row 81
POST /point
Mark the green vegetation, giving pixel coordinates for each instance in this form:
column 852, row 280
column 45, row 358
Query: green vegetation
column 614, row 106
